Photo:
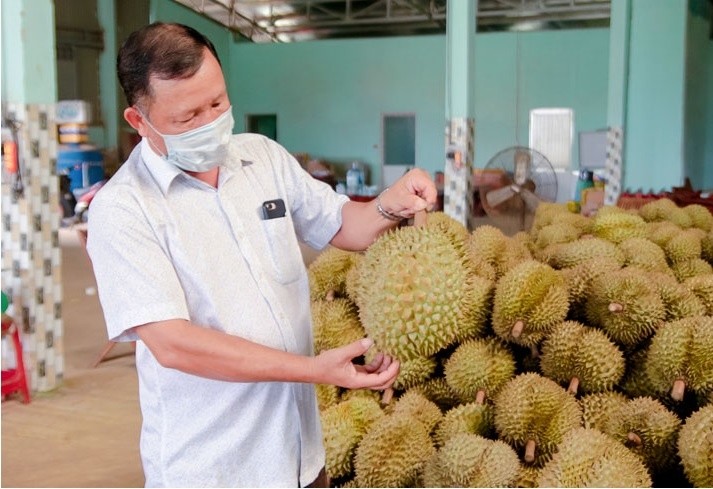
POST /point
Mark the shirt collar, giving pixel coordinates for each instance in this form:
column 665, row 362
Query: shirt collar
column 165, row 173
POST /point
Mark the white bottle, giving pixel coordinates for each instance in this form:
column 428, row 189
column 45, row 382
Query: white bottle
column 355, row 179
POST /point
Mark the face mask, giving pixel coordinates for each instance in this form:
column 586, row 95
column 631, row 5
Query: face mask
column 200, row 149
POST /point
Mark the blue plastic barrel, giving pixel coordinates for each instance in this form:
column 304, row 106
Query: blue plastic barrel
column 82, row 163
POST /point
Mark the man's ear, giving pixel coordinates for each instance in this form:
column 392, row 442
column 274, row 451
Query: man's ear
column 136, row 120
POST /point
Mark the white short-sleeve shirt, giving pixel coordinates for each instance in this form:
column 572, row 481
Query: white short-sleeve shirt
column 165, row 245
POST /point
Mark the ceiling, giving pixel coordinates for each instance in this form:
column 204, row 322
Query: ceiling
column 303, row 20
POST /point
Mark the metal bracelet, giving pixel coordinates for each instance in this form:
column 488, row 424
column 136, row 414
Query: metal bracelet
column 388, row 215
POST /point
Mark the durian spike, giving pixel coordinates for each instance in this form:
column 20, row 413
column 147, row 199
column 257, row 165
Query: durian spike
column 388, row 396
column 330, row 295
column 573, row 386
column 633, row 439
column 480, row 397
column 530, row 451
column 419, row 219
column 615, row 307
column 517, row 329
column 679, row 386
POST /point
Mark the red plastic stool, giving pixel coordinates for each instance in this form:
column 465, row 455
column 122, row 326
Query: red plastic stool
column 14, row 379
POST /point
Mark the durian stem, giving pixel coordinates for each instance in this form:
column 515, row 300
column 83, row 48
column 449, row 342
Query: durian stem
column 517, row 329
column 330, row 295
column 634, row 439
column 530, row 451
column 480, row 397
column 615, row 307
column 388, row 396
column 419, row 219
column 534, row 352
column 679, row 386
column 573, row 386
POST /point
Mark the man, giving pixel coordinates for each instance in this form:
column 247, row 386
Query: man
column 194, row 244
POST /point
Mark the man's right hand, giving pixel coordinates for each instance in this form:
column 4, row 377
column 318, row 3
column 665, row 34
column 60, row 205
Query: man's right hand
column 336, row 367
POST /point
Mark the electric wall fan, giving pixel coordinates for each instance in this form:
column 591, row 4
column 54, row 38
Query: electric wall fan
column 519, row 179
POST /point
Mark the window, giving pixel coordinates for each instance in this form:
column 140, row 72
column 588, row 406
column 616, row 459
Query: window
column 551, row 133
column 399, row 146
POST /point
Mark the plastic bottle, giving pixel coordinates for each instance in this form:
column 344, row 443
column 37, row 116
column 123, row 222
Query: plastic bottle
column 355, row 179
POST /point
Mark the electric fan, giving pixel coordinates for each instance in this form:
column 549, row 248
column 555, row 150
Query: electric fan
column 520, row 178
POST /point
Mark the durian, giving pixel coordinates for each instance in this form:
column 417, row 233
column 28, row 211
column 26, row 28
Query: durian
column 598, row 408
column 534, row 413
column 493, row 253
column 589, row 458
column 529, row 300
column 684, row 270
column 661, row 232
column 447, row 225
column 328, row 395
column 416, row 405
column 555, row 234
column 707, row 247
column 684, row 246
column 700, row 216
column 644, row 254
column 327, row 273
column 478, row 368
column 571, row 254
column 415, row 371
column 579, row 281
column 582, row 358
column 437, row 390
column 336, row 323
column 702, row 287
column 618, row 227
column 679, row 302
column 695, row 446
column 471, row 418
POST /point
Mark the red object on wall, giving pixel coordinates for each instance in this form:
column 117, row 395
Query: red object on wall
column 14, row 380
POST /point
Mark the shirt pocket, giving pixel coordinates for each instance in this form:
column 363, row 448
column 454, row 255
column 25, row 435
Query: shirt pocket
column 283, row 249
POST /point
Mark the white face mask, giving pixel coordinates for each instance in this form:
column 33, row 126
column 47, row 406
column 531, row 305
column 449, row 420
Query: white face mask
column 200, row 149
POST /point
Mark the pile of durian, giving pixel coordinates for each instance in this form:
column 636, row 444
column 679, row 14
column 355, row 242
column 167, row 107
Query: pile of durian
column 578, row 354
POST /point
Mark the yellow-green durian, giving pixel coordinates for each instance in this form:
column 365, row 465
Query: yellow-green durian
column 479, row 368
column 327, row 273
column 327, row 395
column 589, row 458
column 533, row 413
column 415, row 371
column 416, row 405
column 472, row 417
column 661, row 232
column 571, row 254
column 555, row 234
column 528, row 477
column 702, row 287
column 579, row 278
column 684, row 246
column 351, row 280
column 414, row 292
column 336, row 323
column 644, row 254
column 529, row 300
column 648, row 429
column 684, row 270
column 700, row 216
column 707, row 247
column 599, row 407
column 361, row 394
column 695, row 447
column 393, row 453
column 458, row 233
column 343, row 427
column 475, row 317
column 618, row 227
column 583, row 358
column 469, row 460
column 657, row 210
column 437, row 390
column 489, row 246
column 681, row 357
column 679, row 302
column 626, row 305
column 636, row 381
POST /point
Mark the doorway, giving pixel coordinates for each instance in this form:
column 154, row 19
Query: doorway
column 265, row 124
column 399, row 146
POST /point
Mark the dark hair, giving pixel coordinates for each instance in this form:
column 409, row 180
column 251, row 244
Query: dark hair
column 169, row 51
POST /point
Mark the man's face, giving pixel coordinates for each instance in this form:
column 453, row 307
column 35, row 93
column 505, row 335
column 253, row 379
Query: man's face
column 180, row 105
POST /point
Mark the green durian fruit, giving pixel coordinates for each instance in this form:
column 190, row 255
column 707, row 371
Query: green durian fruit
column 695, row 447
column 679, row 302
column 636, row 381
column 327, row 396
column 657, row 210
column 644, row 254
column 478, row 368
column 702, row 287
column 471, row 418
column 437, row 390
column 361, row 394
column 529, row 300
column 494, row 252
column 589, row 458
column 415, row 371
column 528, row 477
column 549, row 213
column 474, row 322
column 679, row 217
column 415, row 292
column 416, row 405
column 458, row 233
column 707, row 247
column 343, row 427
column 598, row 408
column 579, row 280
column 683, row 270
column 327, row 273
column 681, row 356
column 534, row 413
column 567, row 255
column 618, row 227
column 351, row 280
column 393, row 453
column 626, row 305
column 684, row 246
column 582, row 358
column 555, row 234
column 661, row 232
column 524, row 239
column 648, row 429
column 700, row 216
column 469, row 460
column 336, row 323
